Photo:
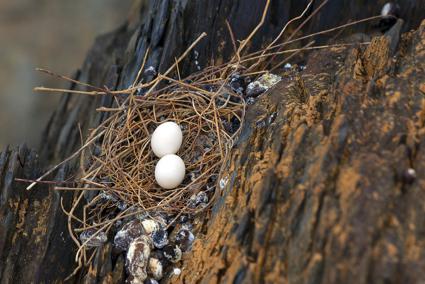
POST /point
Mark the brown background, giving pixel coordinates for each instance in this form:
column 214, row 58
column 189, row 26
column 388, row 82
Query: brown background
column 50, row 34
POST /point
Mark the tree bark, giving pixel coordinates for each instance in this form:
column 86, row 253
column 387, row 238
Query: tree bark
column 320, row 188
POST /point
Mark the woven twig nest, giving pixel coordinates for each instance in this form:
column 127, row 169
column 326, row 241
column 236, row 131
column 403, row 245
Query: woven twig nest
column 126, row 164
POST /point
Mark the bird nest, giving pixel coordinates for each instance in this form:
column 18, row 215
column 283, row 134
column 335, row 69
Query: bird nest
column 123, row 164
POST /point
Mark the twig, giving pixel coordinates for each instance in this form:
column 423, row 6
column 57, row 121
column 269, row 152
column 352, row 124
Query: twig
column 65, row 161
column 178, row 60
column 69, row 79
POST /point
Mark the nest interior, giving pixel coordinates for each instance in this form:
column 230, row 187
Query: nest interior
column 124, row 165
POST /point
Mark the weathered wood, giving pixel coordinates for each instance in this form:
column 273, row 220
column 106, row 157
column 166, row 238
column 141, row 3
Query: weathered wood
column 318, row 190
column 34, row 242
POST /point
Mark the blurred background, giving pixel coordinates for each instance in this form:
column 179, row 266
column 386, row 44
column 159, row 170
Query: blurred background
column 51, row 34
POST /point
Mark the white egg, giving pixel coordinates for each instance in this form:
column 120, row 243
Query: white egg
column 170, row 171
column 166, row 139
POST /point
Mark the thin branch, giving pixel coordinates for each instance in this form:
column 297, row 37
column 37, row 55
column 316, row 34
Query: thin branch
column 65, row 161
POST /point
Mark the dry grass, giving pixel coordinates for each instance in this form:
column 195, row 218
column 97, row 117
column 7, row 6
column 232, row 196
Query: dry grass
column 126, row 163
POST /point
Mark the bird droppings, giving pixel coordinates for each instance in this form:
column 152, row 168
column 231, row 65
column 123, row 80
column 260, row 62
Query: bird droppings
column 272, row 118
column 260, row 123
column 183, row 218
column 93, row 238
column 155, row 268
column 250, row 101
column 150, row 226
column 389, row 12
column 177, row 271
column 138, row 256
column 223, row 182
column 191, row 203
column 152, row 242
column 199, row 199
column 122, row 205
column 128, row 233
column 150, row 281
column 261, row 85
column 238, row 83
column 409, row 176
column 390, row 9
column 187, row 226
column 149, row 74
column 107, row 197
column 184, row 239
column 172, row 253
column 195, row 60
column 231, row 126
column 193, row 176
column 150, row 71
column 160, row 238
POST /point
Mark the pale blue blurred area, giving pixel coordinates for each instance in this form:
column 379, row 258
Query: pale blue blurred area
column 53, row 34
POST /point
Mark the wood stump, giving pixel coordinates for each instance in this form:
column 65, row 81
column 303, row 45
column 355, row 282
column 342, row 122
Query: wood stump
column 325, row 184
